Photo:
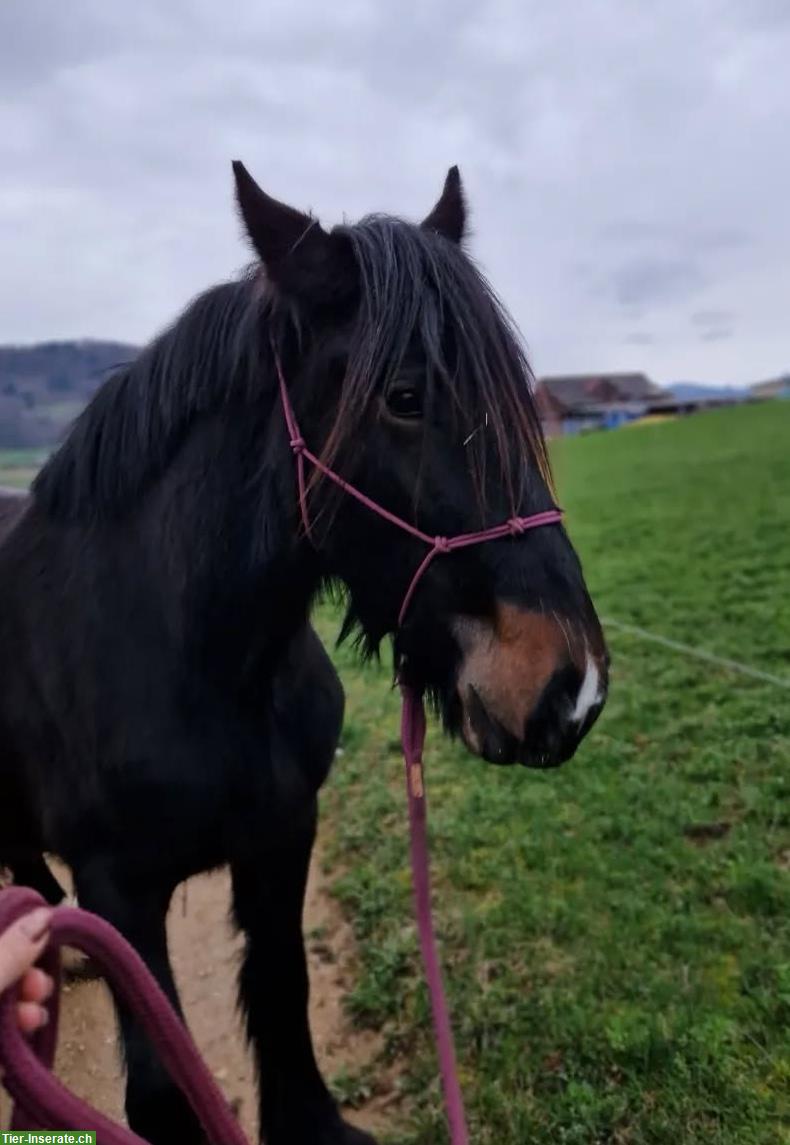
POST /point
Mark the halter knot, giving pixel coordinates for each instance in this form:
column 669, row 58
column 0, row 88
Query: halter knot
column 441, row 544
column 516, row 526
column 298, row 444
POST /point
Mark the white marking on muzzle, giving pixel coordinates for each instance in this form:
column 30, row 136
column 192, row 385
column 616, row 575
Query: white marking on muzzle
column 588, row 693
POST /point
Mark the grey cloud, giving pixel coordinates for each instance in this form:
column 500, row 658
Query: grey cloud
column 706, row 318
column 719, row 239
column 770, row 14
column 628, row 231
column 646, row 281
column 636, row 232
column 624, row 163
column 715, row 325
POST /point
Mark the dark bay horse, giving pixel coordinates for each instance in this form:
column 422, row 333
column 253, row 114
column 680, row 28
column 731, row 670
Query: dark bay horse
column 165, row 706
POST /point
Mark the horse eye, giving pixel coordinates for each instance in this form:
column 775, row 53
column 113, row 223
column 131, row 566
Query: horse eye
column 404, row 402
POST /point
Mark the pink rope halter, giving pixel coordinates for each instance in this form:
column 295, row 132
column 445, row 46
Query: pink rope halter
column 413, row 740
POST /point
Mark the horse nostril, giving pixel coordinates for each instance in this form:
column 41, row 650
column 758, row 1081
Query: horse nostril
column 497, row 745
column 556, row 725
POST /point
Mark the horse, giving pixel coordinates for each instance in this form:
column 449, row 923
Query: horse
column 166, row 707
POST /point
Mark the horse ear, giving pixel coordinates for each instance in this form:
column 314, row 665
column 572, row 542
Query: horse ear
column 448, row 217
column 292, row 246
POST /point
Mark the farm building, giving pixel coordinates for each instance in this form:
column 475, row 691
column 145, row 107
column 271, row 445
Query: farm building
column 577, row 402
column 582, row 402
column 776, row 388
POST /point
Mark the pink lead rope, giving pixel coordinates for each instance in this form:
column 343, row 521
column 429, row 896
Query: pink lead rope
column 43, row 1102
column 413, row 741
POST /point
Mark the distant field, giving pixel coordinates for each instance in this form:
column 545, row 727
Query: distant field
column 19, row 466
column 616, row 934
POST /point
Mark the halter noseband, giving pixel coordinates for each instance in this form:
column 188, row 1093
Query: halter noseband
column 513, row 527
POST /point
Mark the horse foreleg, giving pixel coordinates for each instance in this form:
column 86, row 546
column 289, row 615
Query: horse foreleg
column 155, row 1107
column 268, row 898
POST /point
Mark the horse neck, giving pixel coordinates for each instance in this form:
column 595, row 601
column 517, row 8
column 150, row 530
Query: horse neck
column 224, row 531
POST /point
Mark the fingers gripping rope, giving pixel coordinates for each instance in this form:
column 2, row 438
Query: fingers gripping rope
column 42, row 1102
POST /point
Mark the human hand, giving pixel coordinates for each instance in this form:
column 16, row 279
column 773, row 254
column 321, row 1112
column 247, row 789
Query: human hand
column 20, row 946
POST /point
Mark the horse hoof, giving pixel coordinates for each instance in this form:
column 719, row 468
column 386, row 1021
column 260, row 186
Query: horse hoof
column 339, row 1133
column 348, row 1135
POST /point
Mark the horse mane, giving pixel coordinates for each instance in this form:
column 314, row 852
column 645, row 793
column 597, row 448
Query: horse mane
column 127, row 435
column 413, row 286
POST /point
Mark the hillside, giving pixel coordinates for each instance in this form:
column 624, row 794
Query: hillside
column 43, row 387
column 693, row 391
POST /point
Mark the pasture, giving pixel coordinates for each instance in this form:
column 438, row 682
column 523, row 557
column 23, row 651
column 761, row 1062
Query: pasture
column 615, row 934
column 18, row 467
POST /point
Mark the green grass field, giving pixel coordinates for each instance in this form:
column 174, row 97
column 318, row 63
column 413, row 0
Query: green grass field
column 615, row 934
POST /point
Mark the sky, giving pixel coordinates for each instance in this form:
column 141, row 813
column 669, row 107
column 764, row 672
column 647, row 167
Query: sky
column 627, row 164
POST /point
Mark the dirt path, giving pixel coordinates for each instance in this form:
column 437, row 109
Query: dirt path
column 205, row 958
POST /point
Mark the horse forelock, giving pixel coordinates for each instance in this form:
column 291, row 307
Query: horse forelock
column 417, row 290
